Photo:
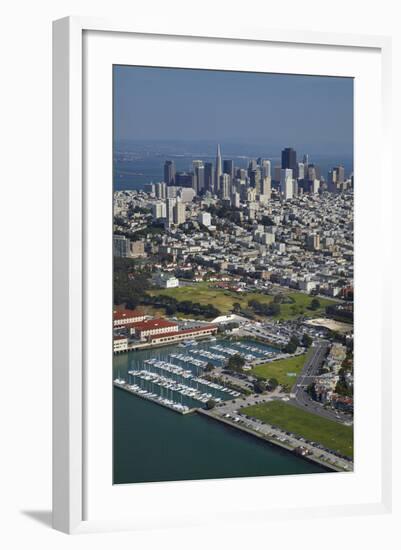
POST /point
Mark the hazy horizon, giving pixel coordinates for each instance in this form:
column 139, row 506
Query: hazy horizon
column 260, row 112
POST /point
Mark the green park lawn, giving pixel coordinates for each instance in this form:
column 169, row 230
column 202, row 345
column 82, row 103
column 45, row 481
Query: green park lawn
column 204, row 293
column 281, row 369
column 332, row 435
column 299, row 306
column 224, row 300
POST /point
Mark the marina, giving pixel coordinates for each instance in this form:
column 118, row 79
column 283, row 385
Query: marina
column 173, row 376
column 198, row 446
column 192, row 446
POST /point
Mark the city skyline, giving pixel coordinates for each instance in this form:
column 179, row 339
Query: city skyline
column 312, row 113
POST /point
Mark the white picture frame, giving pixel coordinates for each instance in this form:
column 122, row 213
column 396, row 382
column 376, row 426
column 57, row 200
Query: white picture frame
column 69, row 261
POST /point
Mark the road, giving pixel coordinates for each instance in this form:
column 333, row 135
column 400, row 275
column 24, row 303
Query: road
column 310, row 370
column 230, row 412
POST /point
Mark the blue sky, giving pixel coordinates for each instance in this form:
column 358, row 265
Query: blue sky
column 305, row 112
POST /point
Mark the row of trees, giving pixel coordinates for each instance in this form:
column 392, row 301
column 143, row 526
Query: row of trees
column 128, row 289
column 172, row 306
column 264, row 309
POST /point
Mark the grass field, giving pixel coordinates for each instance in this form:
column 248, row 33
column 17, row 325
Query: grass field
column 331, row 434
column 204, row 293
column 280, row 369
column 299, row 306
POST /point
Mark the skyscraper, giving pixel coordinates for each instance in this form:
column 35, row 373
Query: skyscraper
column 200, row 179
column 225, row 183
column 266, row 187
column 121, row 246
column 179, row 213
column 266, row 169
column 228, row 168
column 169, row 172
column 286, row 183
column 218, row 168
column 209, row 177
column 170, row 204
column 289, row 160
column 301, row 171
column 254, row 176
column 160, row 190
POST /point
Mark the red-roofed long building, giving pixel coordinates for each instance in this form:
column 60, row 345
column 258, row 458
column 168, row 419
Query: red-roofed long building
column 122, row 317
column 178, row 336
column 153, row 327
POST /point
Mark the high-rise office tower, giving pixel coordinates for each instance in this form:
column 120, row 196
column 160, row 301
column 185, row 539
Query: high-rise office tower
column 228, row 168
column 241, row 173
column 254, row 177
column 301, row 171
column 289, row 160
column 179, row 213
column 121, row 246
column 158, row 210
column 252, row 165
column 305, row 160
column 200, row 179
column 266, row 187
column 209, row 177
column 340, row 174
column 336, row 178
column 277, row 172
column 286, row 183
column 170, row 204
column 218, row 169
column 196, row 163
column 185, row 179
column 266, row 169
column 311, row 172
column 225, row 186
column 235, row 200
column 171, row 192
column 160, row 190
column 149, row 188
column 169, row 172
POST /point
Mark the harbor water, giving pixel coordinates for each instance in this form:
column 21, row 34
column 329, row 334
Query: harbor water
column 152, row 443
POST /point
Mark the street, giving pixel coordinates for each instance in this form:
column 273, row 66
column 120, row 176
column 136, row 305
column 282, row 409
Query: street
column 310, row 370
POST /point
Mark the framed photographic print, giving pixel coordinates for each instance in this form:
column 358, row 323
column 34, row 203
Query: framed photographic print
column 219, row 333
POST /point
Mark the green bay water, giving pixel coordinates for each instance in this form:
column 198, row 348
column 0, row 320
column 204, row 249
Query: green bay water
column 152, row 443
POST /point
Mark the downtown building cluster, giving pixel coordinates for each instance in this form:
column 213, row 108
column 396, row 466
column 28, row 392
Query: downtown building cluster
column 294, row 229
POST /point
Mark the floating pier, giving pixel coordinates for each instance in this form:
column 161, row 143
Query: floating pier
column 148, row 396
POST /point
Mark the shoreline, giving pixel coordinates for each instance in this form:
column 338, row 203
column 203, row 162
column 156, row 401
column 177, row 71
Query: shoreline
column 312, row 458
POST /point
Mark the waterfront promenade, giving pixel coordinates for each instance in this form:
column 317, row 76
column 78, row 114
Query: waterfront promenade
column 230, row 414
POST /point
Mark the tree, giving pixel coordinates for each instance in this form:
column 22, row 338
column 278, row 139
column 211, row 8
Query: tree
column 292, row 345
column 311, row 390
column 171, row 309
column 315, row 304
column 210, row 404
column 272, row 384
column 236, row 362
column 259, row 386
column 209, row 367
column 236, row 307
column 306, row 340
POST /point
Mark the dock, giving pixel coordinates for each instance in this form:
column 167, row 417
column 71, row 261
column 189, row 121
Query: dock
column 163, row 403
